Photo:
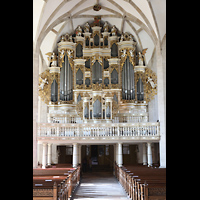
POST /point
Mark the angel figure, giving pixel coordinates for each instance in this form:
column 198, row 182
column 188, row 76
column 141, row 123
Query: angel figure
column 69, row 52
column 87, row 27
column 122, row 37
column 123, row 53
column 52, row 58
column 130, row 37
column 94, row 59
column 105, row 27
column 78, row 31
column 150, row 80
column 44, row 81
column 131, row 52
column 70, row 38
column 63, row 38
column 114, row 30
column 141, row 56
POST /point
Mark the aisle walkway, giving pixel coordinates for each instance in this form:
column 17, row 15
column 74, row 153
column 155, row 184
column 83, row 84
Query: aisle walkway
column 99, row 185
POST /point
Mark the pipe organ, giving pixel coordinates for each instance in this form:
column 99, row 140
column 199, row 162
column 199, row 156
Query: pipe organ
column 97, row 72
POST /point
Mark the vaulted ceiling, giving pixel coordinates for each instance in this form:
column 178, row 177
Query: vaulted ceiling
column 144, row 19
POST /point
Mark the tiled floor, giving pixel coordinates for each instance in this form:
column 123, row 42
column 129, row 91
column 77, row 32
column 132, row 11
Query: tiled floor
column 99, row 185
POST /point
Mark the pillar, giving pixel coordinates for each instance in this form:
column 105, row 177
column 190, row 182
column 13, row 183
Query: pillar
column 79, row 154
column 120, row 158
column 144, row 154
column 44, row 156
column 75, row 155
column 49, row 154
column 149, row 153
column 116, row 146
column 161, row 94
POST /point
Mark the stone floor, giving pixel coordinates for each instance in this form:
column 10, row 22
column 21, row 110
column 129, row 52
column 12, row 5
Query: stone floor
column 99, row 185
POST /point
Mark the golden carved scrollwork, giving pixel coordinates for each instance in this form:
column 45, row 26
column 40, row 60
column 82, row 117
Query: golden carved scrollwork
column 45, row 86
column 95, row 98
column 98, row 58
column 96, row 87
column 115, row 108
column 79, row 108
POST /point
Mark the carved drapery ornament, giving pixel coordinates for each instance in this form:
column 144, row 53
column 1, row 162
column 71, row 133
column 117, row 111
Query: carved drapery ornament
column 127, row 52
column 70, row 55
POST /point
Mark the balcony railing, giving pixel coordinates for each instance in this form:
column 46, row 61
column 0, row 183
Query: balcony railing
column 94, row 130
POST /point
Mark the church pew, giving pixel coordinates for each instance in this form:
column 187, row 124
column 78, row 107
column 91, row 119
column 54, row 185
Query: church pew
column 61, row 186
column 147, row 184
column 52, row 171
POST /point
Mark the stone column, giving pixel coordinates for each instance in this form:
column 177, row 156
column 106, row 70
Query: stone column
column 116, row 146
column 144, row 154
column 149, row 153
column 120, row 158
column 44, row 156
column 75, row 155
column 79, row 154
column 49, row 154
column 161, row 93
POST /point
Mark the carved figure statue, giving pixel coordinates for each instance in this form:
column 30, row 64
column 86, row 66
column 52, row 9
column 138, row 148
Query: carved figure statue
column 78, row 31
column 150, row 80
column 69, row 52
column 141, row 56
column 123, row 53
column 114, row 31
column 105, row 27
column 122, row 37
column 130, row 37
column 63, row 38
column 87, row 27
column 131, row 52
column 52, row 58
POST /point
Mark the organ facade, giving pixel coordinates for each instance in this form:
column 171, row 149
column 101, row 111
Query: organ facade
column 97, row 88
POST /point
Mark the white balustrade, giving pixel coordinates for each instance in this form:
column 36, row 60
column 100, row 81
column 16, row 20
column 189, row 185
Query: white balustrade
column 99, row 130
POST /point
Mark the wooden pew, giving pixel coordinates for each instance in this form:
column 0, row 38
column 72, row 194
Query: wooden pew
column 142, row 183
column 49, row 184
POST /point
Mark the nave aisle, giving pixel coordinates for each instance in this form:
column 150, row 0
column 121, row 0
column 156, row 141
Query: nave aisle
column 99, row 185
